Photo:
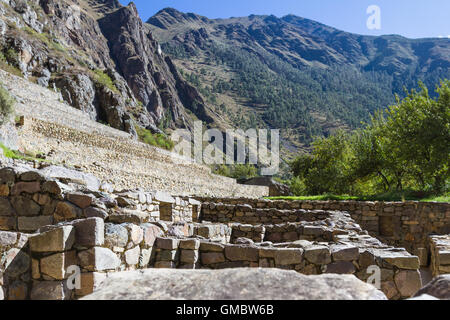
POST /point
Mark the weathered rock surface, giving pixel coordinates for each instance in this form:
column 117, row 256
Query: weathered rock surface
column 98, row 259
column 236, row 284
column 56, row 240
column 439, row 288
column 136, row 53
column 50, row 290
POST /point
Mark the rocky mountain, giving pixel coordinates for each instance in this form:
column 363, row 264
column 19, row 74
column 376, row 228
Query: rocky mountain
column 303, row 42
column 259, row 71
column 293, row 73
column 100, row 56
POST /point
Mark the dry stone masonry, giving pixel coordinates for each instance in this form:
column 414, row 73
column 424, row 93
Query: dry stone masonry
column 440, row 254
column 59, row 226
column 401, row 224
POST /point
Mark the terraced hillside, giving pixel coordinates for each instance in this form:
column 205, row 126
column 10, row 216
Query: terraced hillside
column 65, row 135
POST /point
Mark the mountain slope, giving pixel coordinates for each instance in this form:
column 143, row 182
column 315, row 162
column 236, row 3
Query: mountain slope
column 100, row 56
column 293, row 73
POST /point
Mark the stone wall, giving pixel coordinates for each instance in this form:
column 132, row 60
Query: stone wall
column 440, row 254
column 400, row 277
column 42, row 270
column 97, row 248
column 15, row 266
column 38, row 266
column 49, row 224
column 29, row 201
column 90, row 229
column 401, row 224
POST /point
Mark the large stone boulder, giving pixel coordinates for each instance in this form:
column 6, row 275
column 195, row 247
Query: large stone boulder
column 438, row 288
column 232, row 284
column 72, row 176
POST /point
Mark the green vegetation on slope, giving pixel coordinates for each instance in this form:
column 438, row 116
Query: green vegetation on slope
column 392, row 196
column 236, row 171
column 303, row 98
column 156, row 140
column 9, row 61
column 14, row 154
column 105, row 80
column 405, row 148
column 6, row 105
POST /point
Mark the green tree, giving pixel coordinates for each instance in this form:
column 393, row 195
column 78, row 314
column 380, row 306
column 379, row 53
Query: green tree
column 418, row 130
column 408, row 146
column 328, row 168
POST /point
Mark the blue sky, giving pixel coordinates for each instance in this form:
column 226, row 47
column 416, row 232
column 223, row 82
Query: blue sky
column 409, row 18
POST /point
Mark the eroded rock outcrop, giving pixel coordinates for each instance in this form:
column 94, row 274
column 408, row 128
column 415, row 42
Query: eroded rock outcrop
column 438, row 288
column 102, row 58
column 137, row 57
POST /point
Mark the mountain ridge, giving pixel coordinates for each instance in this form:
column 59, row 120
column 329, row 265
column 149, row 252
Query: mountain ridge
column 336, row 39
column 295, row 74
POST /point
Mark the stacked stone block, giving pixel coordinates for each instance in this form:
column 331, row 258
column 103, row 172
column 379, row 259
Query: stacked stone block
column 400, row 277
column 217, row 232
column 15, row 266
column 42, row 271
column 254, row 233
column 29, row 201
column 440, row 254
column 402, row 224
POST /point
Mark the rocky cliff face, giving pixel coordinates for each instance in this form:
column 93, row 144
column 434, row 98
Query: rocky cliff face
column 99, row 55
column 138, row 59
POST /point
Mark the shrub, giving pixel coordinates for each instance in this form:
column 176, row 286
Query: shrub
column 297, row 186
column 236, row 171
column 156, row 140
column 105, row 80
column 7, row 65
column 12, row 56
column 6, row 105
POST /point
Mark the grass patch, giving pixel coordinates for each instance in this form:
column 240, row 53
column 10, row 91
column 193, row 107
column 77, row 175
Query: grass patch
column 47, row 39
column 105, row 80
column 316, row 198
column 14, row 154
column 389, row 197
column 443, row 198
column 156, row 140
column 6, row 105
column 7, row 60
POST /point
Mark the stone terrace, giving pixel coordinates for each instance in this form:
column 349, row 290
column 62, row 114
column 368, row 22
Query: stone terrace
column 66, row 135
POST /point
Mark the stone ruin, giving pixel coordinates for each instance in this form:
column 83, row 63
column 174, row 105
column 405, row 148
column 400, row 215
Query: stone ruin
column 54, row 223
